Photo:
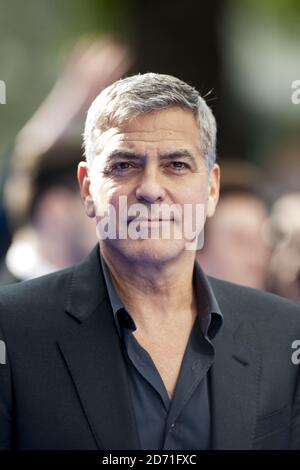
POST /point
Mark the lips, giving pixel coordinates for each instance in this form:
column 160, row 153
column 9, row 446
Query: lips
column 151, row 214
column 138, row 219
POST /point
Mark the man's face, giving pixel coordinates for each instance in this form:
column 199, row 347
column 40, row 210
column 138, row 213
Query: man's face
column 153, row 161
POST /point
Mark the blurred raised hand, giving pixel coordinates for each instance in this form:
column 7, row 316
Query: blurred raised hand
column 91, row 66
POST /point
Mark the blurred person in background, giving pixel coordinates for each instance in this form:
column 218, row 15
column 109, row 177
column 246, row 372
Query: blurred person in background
column 284, row 226
column 282, row 165
column 236, row 248
column 40, row 196
column 54, row 233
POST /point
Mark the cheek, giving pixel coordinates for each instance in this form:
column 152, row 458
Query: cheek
column 100, row 195
column 193, row 194
column 107, row 193
column 193, row 201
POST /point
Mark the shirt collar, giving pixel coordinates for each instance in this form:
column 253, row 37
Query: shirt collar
column 119, row 310
column 209, row 312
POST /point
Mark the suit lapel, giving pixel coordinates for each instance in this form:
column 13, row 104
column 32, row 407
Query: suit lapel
column 94, row 359
column 234, row 381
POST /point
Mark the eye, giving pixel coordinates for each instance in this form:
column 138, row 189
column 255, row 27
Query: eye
column 179, row 166
column 119, row 168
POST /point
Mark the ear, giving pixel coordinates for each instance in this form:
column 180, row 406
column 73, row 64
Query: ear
column 84, row 185
column 214, row 189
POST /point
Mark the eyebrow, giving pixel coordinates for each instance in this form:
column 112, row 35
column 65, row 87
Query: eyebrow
column 183, row 154
column 133, row 156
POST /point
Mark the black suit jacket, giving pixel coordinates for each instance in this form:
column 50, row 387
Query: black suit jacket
column 64, row 384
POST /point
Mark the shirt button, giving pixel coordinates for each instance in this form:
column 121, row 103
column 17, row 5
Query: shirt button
column 172, row 426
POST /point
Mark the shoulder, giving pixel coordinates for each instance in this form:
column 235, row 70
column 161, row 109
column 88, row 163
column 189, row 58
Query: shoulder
column 260, row 307
column 36, row 297
column 41, row 302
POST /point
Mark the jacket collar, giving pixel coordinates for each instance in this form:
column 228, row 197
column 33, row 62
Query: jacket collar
column 235, row 375
column 92, row 353
column 87, row 288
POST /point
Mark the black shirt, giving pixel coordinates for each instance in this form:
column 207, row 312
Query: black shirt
column 185, row 421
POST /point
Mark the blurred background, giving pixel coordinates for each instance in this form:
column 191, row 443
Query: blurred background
column 56, row 56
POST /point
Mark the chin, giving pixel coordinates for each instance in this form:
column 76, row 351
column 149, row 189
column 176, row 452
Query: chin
column 149, row 251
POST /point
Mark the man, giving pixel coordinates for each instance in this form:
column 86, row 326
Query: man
column 135, row 348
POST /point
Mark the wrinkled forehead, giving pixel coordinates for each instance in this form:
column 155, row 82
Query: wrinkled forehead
column 163, row 130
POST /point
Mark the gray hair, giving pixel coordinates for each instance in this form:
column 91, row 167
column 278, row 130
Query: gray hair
column 139, row 94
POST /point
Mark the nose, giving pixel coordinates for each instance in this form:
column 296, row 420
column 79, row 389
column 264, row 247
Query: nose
column 150, row 189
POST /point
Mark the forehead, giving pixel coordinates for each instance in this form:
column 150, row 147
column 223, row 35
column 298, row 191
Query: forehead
column 168, row 128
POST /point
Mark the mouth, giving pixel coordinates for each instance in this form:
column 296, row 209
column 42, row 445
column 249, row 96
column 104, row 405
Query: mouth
column 140, row 219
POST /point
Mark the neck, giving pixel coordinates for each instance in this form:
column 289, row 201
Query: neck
column 154, row 293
